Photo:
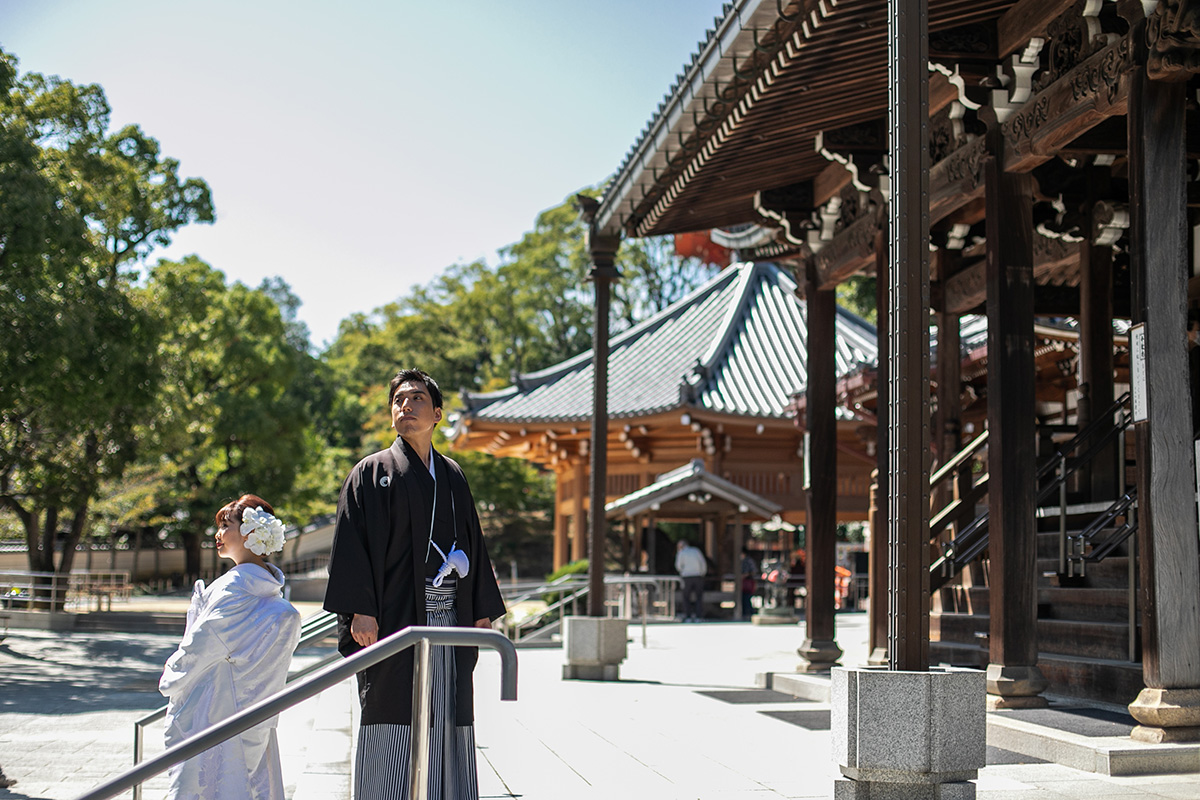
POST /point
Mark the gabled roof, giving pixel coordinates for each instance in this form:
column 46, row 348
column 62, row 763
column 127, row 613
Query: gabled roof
column 693, row 483
column 735, row 346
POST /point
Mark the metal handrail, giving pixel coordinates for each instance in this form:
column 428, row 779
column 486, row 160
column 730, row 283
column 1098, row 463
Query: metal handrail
column 330, row 676
column 954, row 463
column 972, row 540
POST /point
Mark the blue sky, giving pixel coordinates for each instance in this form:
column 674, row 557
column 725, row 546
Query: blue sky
column 358, row 148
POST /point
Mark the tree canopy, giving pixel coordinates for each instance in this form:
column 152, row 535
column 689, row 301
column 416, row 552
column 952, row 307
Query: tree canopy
column 140, row 398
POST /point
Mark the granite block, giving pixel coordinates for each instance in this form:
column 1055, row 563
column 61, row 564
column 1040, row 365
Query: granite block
column 909, row 727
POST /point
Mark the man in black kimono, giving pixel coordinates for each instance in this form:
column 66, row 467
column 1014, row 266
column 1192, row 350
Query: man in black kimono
column 408, row 550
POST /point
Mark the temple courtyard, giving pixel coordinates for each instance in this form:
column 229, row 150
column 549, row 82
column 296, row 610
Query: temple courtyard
column 689, row 718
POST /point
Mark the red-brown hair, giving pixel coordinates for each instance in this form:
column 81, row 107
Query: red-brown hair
column 232, row 512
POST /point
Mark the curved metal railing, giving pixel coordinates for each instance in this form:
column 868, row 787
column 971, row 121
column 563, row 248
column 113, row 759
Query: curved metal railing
column 315, row 684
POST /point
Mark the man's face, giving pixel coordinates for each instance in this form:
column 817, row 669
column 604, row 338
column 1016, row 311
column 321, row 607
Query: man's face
column 413, row 412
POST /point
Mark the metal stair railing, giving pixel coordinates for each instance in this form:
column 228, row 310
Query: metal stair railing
column 969, row 543
column 421, row 636
column 1124, row 505
column 621, row 592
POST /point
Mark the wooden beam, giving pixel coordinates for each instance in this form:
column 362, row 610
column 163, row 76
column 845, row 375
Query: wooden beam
column 850, row 252
column 1074, row 104
column 956, row 180
column 1025, row 20
column 965, row 289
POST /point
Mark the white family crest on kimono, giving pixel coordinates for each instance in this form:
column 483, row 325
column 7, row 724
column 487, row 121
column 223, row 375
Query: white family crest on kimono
column 235, row 651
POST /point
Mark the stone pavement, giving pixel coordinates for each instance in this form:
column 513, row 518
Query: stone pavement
column 684, row 721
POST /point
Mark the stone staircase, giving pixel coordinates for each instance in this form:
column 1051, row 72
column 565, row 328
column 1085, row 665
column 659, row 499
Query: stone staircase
column 1083, row 625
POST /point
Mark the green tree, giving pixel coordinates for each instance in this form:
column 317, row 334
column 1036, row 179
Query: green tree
column 229, row 418
column 77, row 355
column 653, row 277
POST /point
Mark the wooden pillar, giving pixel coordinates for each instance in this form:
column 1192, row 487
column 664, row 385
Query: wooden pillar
column 651, row 545
column 1013, row 677
column 907, row 413
column 562, row 536
column 1169, row 707
column 603, row 251
column 1099, row 478
column 820, row 651
column 878, row 609
column 579, row 514
column 948, row 423
column 739, row 542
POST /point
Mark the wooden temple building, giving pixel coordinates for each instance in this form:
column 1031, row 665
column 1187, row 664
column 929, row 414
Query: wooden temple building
column 1036, row 166
column 703, row 385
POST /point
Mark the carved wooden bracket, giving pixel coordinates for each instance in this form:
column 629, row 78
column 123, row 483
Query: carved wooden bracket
column 858, row 148
column 852, row 250
column 1109, row 223
column 1173, row 40
column 1086, row 96
column 956, row 179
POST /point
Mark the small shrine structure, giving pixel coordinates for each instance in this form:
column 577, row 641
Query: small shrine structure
column 708, row 379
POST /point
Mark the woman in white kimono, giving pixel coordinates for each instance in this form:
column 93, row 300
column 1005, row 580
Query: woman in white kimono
column 235, row 651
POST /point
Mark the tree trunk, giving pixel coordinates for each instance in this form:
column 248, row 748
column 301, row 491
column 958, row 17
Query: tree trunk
column 191, row 552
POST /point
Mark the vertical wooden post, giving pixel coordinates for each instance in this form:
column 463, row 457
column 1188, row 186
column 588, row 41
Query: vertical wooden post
column 603, row 250
column 579, row 514
column 820, row 651
column 1169, row 707
column 1096, row 392
column 908, row 335
column 739, row 542
column 880, row 549
column 1013, row 677
column 562, row 537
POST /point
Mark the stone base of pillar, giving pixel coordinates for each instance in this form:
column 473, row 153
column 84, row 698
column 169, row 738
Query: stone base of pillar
column 1015, row 687
column 820, row 656
column 1166, row 715
column 908, row 734
column 846, row 789
column 594, row 648
column 878, row 657
column 771, row 616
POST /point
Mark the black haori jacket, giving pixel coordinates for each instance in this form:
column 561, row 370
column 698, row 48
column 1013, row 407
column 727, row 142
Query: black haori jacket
column 383, row 517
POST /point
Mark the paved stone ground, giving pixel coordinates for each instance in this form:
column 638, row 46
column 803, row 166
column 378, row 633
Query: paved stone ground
column 683, row 722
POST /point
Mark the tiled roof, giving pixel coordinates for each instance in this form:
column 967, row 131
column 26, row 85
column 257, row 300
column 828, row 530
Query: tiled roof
column 690, row 479
column 736, row 345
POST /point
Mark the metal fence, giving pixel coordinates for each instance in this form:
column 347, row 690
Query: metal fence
column 80, row 590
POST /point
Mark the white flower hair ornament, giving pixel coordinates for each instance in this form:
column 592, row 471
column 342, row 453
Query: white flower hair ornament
column 263, row 531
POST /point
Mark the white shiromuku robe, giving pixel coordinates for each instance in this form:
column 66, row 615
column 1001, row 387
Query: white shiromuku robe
column 235, row 651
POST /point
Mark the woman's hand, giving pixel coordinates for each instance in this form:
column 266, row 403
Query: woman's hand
column 364, row 630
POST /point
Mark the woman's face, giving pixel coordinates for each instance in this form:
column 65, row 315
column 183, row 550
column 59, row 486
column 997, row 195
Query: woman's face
column 231, row 544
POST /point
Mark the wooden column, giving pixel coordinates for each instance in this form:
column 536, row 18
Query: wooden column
column 1096, row 394
column 739, row 541
column 907, row 412
column 603, row 251
column 948, row 427
column 1169, row 707
column 879, row 570
column 819, row 650
column 1013, row 677
column 579, row 514
column 562, row 537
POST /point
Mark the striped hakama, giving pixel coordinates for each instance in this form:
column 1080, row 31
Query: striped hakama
column 381, row 765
